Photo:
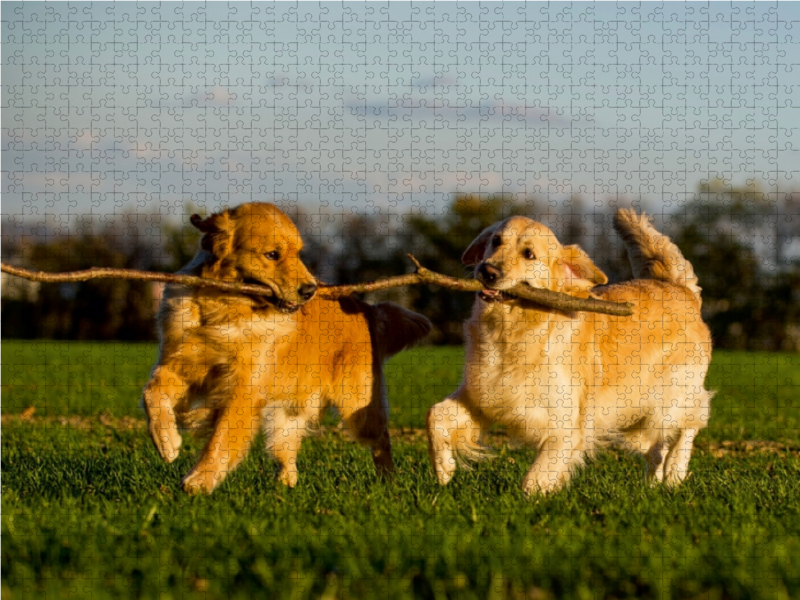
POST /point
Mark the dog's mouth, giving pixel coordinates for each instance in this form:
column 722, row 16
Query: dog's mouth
column 287, row 307
column 490, row 296
column 275, row 301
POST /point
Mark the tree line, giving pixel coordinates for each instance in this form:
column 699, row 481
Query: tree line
column 744, row 244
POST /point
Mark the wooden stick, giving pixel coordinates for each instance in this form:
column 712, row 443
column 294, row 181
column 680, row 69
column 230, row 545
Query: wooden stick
column 108, row 273
column 547, row 298
column 542, row 297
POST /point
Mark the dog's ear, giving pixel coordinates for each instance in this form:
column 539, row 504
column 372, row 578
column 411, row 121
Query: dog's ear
column 209, row 224
column 474, row 254
column 579, row 272
column 218, row 230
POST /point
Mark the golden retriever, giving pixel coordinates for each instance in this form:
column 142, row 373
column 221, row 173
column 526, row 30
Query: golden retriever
column 238, row 363
column 569, row 382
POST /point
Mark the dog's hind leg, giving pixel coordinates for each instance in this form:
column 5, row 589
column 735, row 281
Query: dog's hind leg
column 453, row 429
column 688, row 417
column 647, row 437
column 370, row 426
column 236, row 427
column 165, row 390
column 285, row 430
column 552, row 469
column 654, row 458
column 676, row 465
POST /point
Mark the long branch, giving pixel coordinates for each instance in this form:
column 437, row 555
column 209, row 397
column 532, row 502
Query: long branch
column 109, row 273
column 542, row 297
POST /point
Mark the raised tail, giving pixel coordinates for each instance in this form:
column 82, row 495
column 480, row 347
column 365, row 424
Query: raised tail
column 397, row 328
column 652, row 254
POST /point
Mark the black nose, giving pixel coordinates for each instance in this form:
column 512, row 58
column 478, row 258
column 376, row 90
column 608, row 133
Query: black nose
column 489, row 273
column 307, row 290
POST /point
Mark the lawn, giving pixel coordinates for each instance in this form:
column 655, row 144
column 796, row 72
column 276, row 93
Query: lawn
column 89, row 510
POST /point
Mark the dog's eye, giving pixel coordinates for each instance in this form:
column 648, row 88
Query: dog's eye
column 496, row 241
column 274, row 255
column 528, row 254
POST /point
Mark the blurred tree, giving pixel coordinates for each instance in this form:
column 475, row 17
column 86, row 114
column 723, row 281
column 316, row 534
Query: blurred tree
column 93, row 310
column 747, row 295
column 738, row 238
column 181, row 239
column 101, row 309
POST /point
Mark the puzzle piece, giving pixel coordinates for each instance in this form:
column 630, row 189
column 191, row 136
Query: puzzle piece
column 382, row 130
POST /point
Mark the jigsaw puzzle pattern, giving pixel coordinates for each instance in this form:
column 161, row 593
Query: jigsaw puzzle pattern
column 383, row 129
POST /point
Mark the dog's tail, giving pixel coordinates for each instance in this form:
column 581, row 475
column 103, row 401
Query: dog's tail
column 652, row 254
column 397, row 328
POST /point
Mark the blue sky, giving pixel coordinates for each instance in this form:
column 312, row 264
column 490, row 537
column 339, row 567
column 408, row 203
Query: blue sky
column 350, row 107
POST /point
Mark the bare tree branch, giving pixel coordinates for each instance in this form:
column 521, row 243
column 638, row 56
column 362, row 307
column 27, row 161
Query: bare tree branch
column 542, row 297
column 108, row 273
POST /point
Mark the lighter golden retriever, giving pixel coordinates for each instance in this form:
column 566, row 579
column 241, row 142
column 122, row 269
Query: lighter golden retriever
column 238, row 364
column 569, row 382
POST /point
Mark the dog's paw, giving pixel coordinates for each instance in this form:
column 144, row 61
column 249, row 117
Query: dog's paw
column 384, row 465
column 288, row 477
column 444, row 465
column 199, row 481
column 443, row 476
column 167, row 440
column 654, row 479
column 163, row 430
column 674, row 479
column 386, row 475
column 542, row 484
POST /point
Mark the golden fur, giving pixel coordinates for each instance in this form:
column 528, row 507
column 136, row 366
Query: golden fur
column 236, row 363
column 567, row 382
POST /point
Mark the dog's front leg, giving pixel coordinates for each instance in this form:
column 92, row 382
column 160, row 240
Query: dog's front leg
column 234, row 431
column 452, row 429
column 160, row 396
column 551, row 470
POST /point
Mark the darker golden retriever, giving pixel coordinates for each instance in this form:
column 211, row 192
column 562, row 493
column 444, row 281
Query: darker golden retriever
column 238, row 364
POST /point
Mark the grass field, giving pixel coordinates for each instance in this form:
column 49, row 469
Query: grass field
column 89, row 510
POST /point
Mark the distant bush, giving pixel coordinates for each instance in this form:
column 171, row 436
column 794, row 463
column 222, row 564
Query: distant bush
column 738, row 239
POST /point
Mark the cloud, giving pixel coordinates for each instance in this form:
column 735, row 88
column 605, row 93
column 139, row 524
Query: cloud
column 84, row 139
column 220, row 95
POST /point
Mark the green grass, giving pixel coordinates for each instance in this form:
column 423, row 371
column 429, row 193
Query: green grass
column 758, row 393
column 95, row 513
column 87, row 378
